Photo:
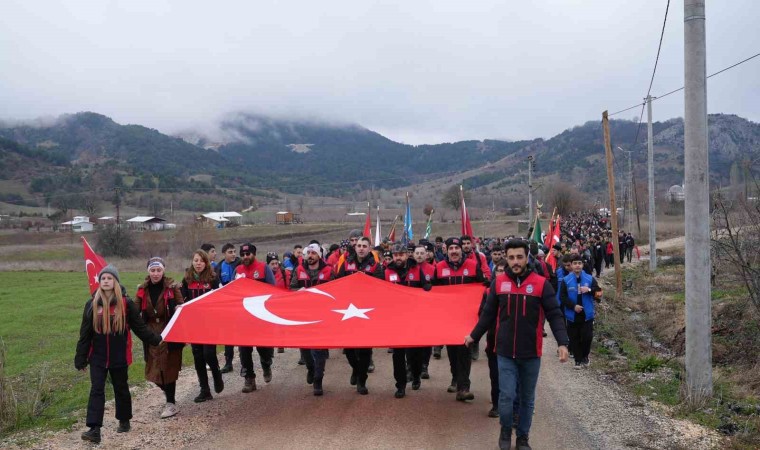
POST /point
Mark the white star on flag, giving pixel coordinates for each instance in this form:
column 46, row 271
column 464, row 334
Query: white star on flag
column 353, row 311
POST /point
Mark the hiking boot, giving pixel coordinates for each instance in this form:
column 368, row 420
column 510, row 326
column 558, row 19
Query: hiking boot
column 463, row 396
column 249, row 385
column 505, row 439
column 170, row 410
column 352, row 380
column 92, row 435
column 218, row 383
column 400, row 393
column 267, row 374
column 203, row 396
column 416, row 384
column 522, row 443
column 371, row 367
column 585, row 363
column 301, row 362
column 227, row 368
column 578, row 365
column 310, row 377
column 318, row 387
column 390, row 350
column 493, row 412
column 425, row 375
column 437, row 352
column 361, row 388
column 452, row 387
column 124, row 427
column 280, row 350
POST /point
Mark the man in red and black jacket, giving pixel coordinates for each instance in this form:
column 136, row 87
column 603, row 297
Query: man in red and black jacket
column 517, row 303
column 259, row 271
column 362, row 260
column 455, row 269
column 406, row 271
column 312, row 272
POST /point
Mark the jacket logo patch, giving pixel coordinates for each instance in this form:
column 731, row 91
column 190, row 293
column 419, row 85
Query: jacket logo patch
column 427, row 277
column 466, row 272
column 393, row 277
column 256, row 274
column 303, row 276
column 529, row 289
column 368, row 269
column 446, row 273
column 321, row 276
column 350, row 266
column 506, row 286
column 411, row 276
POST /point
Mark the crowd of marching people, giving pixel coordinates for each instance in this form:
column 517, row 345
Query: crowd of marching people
column 527, row 282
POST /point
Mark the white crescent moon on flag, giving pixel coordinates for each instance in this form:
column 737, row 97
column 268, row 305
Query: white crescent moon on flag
column 256, row 306
column 87, row 263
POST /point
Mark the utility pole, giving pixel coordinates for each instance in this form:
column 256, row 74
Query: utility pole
column 697, row 203
column 650, row 171
column 530, row 190
column 613, row 208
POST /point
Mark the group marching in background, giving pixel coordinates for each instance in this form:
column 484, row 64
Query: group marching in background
column 528, row 281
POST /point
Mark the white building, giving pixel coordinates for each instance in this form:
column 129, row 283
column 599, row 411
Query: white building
column 222, row 219
column 146, row 223
column 676, row 193
column 79, row 224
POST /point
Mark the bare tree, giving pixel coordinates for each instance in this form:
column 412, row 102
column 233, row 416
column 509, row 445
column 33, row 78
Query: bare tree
column 566, row 198
column 735, row 240
column 451, row 197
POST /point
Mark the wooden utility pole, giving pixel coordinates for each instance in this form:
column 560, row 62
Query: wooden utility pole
column 613, row 208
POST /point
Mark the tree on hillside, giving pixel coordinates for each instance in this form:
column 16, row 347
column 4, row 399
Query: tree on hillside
column 451, row 197
column 566, row 198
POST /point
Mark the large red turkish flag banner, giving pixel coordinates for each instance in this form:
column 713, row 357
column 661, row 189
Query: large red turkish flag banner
column 355, row 311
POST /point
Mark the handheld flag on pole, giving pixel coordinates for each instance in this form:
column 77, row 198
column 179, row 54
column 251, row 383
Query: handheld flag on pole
column 466, row 225
column 392, row 233
column 408, row 234
column 429, row 226
column 378, row 239
column 93, row 264
column 537, row 230
column 367, row 223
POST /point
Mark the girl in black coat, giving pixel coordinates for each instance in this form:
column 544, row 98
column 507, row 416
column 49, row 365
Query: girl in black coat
column 105, row 344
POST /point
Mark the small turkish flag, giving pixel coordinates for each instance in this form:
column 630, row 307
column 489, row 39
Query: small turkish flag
column 355, row 311
column 93, row 264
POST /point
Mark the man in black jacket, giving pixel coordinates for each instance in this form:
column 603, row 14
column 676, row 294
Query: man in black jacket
column 225, row 271
column 518, row 302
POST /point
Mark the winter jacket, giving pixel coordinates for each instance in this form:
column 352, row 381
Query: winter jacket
column 226, row 271
column 370, row 266
column 569, row 295
column 464, row 272
column 113, row 350
column 303, row 277
column 257, row 270
column 518, row 305
column 412, row 275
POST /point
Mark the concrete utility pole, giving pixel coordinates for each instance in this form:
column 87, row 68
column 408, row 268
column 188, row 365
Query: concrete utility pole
column 613, row 208
column 698, row 307
column 530, row 190
column 650, row 159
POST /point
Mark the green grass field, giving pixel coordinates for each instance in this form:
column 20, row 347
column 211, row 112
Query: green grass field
column 39, row 324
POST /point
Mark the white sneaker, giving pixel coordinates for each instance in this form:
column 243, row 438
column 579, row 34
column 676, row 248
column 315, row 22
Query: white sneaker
column 170, row 409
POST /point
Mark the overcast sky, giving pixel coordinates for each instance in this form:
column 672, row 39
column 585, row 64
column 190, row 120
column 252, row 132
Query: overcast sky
column 415, row 71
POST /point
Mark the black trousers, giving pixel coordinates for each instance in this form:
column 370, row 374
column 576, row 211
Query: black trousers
column 229, row 354
column 598, row 268
column 359, row 359
column 426, row 354
column 202, row 355
column 413, row 356
column 581, row 334
column 460, row 360
column 246, row 359
column 97, row 402
column 493, row 373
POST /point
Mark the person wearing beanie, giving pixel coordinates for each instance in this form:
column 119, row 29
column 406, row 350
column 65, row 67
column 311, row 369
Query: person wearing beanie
column 455, row 269
column 104, row 346
column 200, row 279
column 312, row 272
column 259, row 271
column 158, row 297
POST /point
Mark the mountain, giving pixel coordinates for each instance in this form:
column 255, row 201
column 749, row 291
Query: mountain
column 254, row 155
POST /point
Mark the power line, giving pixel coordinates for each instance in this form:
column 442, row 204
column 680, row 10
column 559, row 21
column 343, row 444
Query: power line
column 682, row 87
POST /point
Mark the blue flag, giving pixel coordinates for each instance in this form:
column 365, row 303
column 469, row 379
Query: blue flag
column 408, row 234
